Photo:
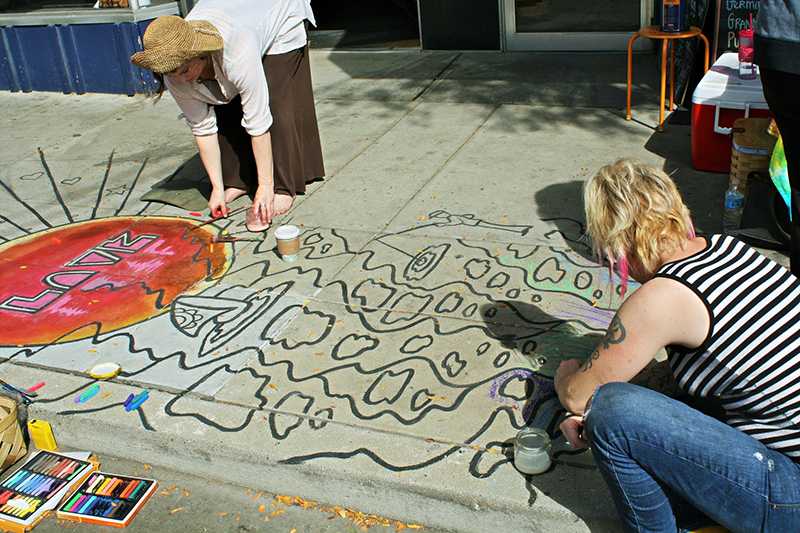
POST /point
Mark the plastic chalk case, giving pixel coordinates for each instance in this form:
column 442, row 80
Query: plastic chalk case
column 105, row 370
column 42, row 435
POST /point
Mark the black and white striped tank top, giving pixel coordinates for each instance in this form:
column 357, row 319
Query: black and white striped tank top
column 750, row 360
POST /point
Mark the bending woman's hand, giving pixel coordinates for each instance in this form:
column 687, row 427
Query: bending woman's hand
column 216, row 203
column 262, row 204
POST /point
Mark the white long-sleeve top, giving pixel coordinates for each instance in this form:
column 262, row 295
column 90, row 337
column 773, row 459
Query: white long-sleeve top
column 250, row 29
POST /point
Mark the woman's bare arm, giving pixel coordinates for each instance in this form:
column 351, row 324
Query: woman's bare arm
column 208, row 146
column 660, row 313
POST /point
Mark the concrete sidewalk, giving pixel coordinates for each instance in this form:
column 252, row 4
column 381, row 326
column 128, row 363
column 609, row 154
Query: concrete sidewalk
column 443, row 276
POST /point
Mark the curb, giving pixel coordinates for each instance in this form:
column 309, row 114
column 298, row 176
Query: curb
column 440, row 502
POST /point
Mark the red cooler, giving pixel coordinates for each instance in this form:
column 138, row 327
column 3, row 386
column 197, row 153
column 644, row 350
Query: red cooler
column 720, row 98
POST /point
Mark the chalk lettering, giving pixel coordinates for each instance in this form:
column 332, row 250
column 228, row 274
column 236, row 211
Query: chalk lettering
column 124, row 244
column 58, row 283
column 65, row 280
column 24, row 304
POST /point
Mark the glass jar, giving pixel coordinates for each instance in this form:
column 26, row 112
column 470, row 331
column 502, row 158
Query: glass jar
column 532, row 450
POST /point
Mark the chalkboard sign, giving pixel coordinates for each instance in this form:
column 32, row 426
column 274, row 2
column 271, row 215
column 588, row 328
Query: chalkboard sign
column 732, row 16
column 688, row 52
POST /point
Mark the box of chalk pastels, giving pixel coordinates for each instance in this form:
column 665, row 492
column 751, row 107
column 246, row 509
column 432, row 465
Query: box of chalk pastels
column 37, row 487
column 108, row 499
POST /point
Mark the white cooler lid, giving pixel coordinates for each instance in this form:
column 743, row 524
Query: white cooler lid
column 721, row 86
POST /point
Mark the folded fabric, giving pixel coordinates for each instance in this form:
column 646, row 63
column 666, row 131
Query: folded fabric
column 779, row 172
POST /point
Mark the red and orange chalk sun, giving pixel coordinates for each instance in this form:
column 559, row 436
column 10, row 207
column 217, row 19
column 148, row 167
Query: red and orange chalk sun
column 97, row 276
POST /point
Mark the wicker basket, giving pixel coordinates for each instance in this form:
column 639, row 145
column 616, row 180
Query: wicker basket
column 751, row 150
column 12, row 445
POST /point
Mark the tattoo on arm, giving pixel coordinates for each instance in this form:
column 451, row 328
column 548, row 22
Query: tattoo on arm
column 615, row 335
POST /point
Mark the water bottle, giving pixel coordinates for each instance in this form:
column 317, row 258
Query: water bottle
column 747, row 68
column 734, row 204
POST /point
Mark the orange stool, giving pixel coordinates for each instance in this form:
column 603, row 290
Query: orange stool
column 654, row 32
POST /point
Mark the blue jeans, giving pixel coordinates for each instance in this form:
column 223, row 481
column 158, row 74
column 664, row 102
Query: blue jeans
column 667, row 465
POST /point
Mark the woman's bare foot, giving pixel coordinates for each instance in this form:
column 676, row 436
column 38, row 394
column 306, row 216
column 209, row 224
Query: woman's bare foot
column 252, row 222
column 232, row 193
column 282, row 203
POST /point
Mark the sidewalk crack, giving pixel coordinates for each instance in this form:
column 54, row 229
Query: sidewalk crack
column 437, row 77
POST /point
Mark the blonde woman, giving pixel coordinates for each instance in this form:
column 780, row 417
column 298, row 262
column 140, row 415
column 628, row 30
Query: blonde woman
column 239, row 71
column 730, row 319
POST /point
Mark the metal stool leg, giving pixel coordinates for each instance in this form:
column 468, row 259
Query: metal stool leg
column 630, row 72
column 671, row 76
column 705, row 42
column 663, row 84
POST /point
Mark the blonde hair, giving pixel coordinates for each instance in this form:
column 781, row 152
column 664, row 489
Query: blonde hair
column 635, row 209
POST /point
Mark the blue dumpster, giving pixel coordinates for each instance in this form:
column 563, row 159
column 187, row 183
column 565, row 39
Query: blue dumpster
column 76, row 51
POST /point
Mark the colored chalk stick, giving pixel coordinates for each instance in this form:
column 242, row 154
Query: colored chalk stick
column 91, row 480
column 78, row 504
column 57, row 487
column 19, row 479
column 101, row 489
column 70, row 471
column 136, row 491
column 128, row 400
column 73, row 501
column 36, row 387
column 53, row 468
column 44, row 487
column 16, row 477
column 33, row 483
column 88, row 504
column 119, row 489
column 88, row 394
column 29, row 481
column 137, row 401
column 111, row 486
column 59, row 468
column 43, row 463
column 132, row 485
column 95, row 481
column 90, row 509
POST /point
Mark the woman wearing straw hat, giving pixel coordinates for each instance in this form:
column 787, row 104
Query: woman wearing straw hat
column 730, row 320
column 239, row 71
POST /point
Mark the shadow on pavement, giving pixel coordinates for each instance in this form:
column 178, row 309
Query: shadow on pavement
column 562, row 205
column 703, row 192
column 573, row 481
column 545, row 80
column 187, row 188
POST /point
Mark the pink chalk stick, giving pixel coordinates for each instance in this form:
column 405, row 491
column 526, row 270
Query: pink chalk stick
column 36, row 387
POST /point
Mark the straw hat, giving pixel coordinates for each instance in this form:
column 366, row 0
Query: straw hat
column 170, row 41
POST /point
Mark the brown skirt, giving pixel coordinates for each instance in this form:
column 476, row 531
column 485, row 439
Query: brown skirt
column 296, row 150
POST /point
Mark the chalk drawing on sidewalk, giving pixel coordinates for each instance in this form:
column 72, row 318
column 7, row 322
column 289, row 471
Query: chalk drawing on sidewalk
column 421, row 336
column 415, row 332
column 92, row 277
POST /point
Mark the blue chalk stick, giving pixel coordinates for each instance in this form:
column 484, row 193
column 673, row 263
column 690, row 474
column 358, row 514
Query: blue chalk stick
column 137, row 401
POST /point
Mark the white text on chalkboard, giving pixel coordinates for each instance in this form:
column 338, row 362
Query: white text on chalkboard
column 748, row 5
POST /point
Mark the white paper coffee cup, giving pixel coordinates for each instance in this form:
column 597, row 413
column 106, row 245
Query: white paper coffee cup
column 288, row 238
